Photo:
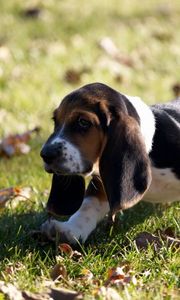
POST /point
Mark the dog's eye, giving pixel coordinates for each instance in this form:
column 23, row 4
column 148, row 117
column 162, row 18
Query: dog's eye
column 83, row 123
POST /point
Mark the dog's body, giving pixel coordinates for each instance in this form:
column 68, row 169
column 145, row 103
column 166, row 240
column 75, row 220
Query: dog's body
column 130, row 150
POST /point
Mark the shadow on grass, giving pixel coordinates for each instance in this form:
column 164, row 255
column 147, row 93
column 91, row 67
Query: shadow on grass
column 15, row 231
column 16, row 237
column 124, row 223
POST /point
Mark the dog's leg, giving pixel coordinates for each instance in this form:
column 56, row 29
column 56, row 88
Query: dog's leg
column 79, row 226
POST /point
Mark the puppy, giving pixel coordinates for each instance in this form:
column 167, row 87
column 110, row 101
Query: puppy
column 130, row 150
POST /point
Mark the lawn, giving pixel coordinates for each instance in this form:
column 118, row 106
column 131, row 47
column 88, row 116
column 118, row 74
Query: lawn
column 47, row 49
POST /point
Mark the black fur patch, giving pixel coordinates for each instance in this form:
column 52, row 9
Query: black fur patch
column 166, row 143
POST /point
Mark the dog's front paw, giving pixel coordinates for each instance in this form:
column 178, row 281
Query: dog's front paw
column 53, row 228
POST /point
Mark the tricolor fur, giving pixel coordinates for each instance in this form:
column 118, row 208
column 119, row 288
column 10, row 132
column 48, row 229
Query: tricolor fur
column 130, row 150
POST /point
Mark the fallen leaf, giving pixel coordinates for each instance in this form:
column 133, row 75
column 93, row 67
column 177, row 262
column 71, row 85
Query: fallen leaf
column 67, row 250
column 77, row 255
column 144, row 239
column 176, row 89
column 10, row 193
column 59, row 271
column 120, row 276
column 73, row 76
column 31, row 12
column 16, row 144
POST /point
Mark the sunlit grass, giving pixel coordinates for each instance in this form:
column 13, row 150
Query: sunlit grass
column 35, row 54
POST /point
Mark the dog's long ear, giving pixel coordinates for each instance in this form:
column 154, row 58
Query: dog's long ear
column 124, row 165
column 66, row 195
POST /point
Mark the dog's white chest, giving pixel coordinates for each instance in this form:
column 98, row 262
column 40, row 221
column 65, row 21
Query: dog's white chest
column 165, row 187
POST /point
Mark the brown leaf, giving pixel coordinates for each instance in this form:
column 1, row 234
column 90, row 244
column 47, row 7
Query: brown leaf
column 66, row 249
column 16, row 144
column 13, row 192
column 11, row 269
column 77, row 255
column 73, row 76
column 8, row 194
column 176, row 89
column 59, row 271
column 144, row 239
column 120, row 276
column 31, row 12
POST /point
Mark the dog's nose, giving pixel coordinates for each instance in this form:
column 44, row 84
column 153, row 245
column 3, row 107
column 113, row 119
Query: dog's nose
column 49, row 154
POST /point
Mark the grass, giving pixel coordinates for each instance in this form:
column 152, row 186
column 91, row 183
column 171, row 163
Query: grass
column 35, row 53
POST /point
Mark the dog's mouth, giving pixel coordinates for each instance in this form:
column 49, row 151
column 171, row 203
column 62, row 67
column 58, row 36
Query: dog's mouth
column 53, row 169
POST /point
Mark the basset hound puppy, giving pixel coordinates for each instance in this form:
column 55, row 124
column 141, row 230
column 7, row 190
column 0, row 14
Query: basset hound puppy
column 130, row 150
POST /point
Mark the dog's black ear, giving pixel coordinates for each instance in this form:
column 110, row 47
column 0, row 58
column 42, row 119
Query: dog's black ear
column 124, row 165
column 66, row 195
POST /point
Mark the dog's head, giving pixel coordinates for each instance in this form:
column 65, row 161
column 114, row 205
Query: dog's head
column 97, row 129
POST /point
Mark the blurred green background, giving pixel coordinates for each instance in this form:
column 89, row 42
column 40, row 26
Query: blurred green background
column 47, row 49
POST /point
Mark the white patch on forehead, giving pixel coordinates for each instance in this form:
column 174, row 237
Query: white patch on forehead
column 147, row 120
column 165, row 187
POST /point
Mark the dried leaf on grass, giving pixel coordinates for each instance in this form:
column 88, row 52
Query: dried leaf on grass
column 176, row 89
column 13, row 293
column 112, row 50
column 16, row 144
column 144, row 239
column 11, row 268
column 59, row 271
column 31, row 12
column 120, row 276
column 13, row 192
column 73, row 76
column 66, row 249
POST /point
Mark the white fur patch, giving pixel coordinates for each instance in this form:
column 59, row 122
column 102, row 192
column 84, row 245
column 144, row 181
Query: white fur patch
column 147, row 120
column 82, row 223
column 165, row 187
column 71, row 155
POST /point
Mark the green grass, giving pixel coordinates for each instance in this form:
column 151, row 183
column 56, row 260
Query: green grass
column 34, row 56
